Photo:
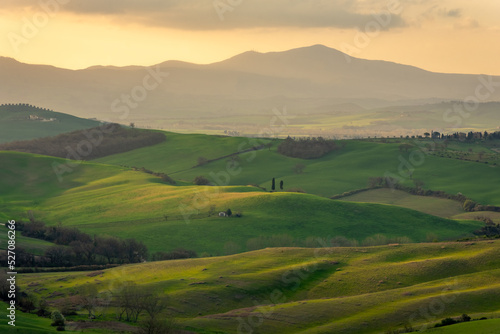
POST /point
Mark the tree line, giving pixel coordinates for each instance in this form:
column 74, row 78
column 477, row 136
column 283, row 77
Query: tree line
column 88, row 144
column 74, row 248
column 307, row 148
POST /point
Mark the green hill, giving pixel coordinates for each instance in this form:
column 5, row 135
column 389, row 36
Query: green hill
column 24, row 122
column 479, row 327
column 337, row 172
column 112, row 200
column 292, row 290
column 25, row 323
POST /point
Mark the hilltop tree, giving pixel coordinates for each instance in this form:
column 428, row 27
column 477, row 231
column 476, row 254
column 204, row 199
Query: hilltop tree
column 427, row 134
column 229, row 213
column 273, row 185
column 281, row 184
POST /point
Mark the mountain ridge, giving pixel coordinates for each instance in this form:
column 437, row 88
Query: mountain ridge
column 304, row 79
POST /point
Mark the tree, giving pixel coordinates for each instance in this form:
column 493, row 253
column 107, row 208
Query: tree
column 229, row 213
column 469, row 205
column 427, row 134
column 281, row 184
column 58, row 319
column 201, row 181
column 273, row 184
column 88, row 298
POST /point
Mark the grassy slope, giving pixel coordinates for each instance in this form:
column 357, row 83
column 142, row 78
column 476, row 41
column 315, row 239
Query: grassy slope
column 30, row 245
column 335, row 173
column 25, row 323
column 348, row 290
column 434, row 206
column 490, row 326
column 15, row 125
column 180, row 152
column 103, row 199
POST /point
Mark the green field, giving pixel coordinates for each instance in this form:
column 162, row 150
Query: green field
column 16, row 125
column 328, row 290
column 434, row 206
column 104, row 199
column 296, row 282
column 335, row 173
column 477, row 327
column 25, row 323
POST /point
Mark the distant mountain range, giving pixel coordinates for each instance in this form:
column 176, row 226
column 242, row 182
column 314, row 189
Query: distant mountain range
column 304, row 79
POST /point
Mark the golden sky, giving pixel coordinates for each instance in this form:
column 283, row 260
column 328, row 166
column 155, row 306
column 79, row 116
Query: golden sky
column 457, row 36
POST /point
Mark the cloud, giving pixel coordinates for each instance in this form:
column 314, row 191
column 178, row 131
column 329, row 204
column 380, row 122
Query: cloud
column 225, row 14
column 454, row 13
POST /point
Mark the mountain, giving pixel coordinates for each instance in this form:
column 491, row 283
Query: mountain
column 304, row 79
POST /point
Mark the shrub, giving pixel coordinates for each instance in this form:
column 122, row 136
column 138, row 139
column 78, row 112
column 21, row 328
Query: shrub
column 57, row 319
column 469, row 205
column 201, row 181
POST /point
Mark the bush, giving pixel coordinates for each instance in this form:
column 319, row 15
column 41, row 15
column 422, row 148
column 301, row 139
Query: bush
column 201, row 181
column 469, row 205
column 58, row 319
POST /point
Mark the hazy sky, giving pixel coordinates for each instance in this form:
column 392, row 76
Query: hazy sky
column 438, row 35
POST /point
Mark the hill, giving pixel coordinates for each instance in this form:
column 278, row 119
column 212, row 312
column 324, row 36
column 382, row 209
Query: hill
column 111, row 200
column 25, row 122
column 337, row 172
column 292, row 290
column 311, row 80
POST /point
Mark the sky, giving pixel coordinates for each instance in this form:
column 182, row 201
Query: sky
column 450, row 36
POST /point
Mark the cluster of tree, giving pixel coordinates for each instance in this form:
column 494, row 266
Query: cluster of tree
column 307, row 148
column 451, row 321
column 489, row 230
column 469, row 136
column 164, row 177
column 74, row 248
column 18, row 107
column 88, row 144
column 131, row 302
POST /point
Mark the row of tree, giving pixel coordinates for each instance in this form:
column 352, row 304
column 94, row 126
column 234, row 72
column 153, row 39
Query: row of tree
column 74, row 248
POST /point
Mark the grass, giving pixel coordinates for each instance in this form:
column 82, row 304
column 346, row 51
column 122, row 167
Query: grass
column 330, row 290
column 434, row 206
column 489, row 326
column 332, row 174
column 102, row 199
column 15, row 123
column 25, row 323
column 30, row 245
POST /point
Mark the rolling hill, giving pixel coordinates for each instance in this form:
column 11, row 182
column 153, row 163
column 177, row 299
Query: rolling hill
column 293, row 290
column 25, row 122
column 117, row 201
column 340, row 171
